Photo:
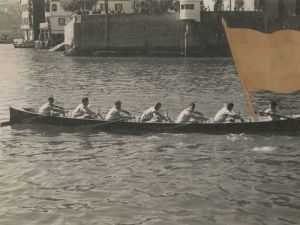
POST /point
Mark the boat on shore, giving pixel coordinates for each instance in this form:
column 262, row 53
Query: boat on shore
column 27, row 115
column 21, row 43
column 6, row 41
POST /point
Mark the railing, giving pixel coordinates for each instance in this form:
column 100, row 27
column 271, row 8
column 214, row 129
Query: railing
column 25, row 27
column 45, row 25
column 216, row 16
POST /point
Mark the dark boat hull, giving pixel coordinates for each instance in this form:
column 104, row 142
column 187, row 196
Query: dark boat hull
column 281, row 126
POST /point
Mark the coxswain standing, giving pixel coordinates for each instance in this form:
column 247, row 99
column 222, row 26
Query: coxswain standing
column 114, row 113
column 50, row 108
column 82, row 111
column 189, row 113
column 152, row 114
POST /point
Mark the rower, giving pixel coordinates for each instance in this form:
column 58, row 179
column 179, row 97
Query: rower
column 272, row 110
column 226, row 115
column 50, row 108
column 189, row 113
column 82, row 111
column 152, row 114
column 114, row 113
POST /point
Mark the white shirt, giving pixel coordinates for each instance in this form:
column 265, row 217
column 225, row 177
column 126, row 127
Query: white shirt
column 113, row 114
column 270, row 117
column 222, row 115
column 184, row 116
column 46, row 109
column 148, row 114
column 80, row 110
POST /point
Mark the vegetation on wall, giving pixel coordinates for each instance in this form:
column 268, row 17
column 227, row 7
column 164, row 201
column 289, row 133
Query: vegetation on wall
column 77, row 5
column 147, row 6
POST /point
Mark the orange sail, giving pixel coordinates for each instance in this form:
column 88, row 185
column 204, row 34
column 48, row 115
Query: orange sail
column 266, row 61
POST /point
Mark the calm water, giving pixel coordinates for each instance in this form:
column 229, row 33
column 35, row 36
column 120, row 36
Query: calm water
column 63, row 176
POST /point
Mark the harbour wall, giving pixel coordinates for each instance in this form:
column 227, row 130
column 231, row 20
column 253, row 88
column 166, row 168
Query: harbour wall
column 163, row 34
column 133, row 34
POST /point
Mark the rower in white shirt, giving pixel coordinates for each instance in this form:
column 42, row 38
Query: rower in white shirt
column 50, row 108
column 82, row 111
column 114, row 113
column 272, row 112
column 189, row 113
column 226, row 115
column 152, row 114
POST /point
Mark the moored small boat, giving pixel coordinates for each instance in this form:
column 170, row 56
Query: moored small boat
column 20, row 43
column 280, row 126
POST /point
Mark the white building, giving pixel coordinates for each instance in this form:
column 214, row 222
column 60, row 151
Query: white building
column 32, row 14
column 27, row 18
column 121, row 6
column 56, row 16
column 52, row 31
column 190, row 10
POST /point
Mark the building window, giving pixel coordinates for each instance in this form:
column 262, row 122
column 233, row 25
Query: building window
column 187, row 6
column 54, row 8
column 25, row 21
column 61, row 21
column 118, row 7
column 102, row 7
column 24, row 7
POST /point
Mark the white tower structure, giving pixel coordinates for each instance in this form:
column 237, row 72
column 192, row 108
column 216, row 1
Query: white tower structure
column 190, row 10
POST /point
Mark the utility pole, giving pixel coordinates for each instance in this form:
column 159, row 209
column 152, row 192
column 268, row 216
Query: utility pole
column 185, row 39
column 106, row 21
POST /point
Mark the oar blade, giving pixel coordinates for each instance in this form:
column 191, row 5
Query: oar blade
column 4, row 124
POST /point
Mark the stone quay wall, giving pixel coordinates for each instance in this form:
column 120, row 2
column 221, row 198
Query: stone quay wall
column 125, row 33
column 156, row 34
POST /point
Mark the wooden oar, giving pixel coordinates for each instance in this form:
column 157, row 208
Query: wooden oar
column 167, row 115
column 285, row 117
column 108, row 122
column 101, row 117
column 181, row 125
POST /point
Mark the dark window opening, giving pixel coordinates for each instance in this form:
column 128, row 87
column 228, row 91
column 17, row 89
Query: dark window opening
column 47, row 5
column 61, row 21
column 54, row 7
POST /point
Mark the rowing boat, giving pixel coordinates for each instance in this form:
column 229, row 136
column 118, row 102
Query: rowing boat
column 281, row 126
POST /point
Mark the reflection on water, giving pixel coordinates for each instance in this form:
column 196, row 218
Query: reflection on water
column 58, row 175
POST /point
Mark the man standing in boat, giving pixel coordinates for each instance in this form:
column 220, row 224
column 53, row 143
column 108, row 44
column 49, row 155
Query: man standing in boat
column 50, row 108
column 226, row 115
column 82, row 111
column 272, row 112
column 189, row 113
column 152, row 114
column 114, row 113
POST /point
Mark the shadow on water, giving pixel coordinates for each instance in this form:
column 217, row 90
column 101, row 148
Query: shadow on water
column 54, row 131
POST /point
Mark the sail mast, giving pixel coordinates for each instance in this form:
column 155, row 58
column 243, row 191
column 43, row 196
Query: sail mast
column 241, row 78
column 249, row 102
column 245, row 89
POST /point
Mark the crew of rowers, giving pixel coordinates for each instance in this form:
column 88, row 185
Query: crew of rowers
column 82, row 111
